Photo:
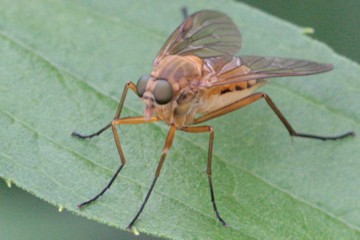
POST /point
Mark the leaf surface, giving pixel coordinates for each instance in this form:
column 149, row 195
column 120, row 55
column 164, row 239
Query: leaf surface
column 63, row 66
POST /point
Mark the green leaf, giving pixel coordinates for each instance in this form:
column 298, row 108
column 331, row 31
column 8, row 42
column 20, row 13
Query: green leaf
column 63, row 66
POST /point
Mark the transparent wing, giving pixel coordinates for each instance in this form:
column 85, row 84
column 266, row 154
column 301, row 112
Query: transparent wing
column 246, row 68
column 204, row 34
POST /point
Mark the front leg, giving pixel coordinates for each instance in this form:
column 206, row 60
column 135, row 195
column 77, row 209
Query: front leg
column 130, row 120
column 130, row 85
column 167, row 146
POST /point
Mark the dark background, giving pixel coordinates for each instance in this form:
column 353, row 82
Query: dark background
column 336, row 23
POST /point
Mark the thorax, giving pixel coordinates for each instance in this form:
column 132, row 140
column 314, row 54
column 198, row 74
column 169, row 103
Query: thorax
column 180, row 72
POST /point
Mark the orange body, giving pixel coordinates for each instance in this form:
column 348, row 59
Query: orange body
column 186, row 75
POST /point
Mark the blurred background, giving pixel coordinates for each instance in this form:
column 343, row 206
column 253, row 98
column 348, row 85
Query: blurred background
column 336, row 23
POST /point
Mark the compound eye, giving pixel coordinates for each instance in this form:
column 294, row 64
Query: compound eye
column 163, row 92
column 141, row 84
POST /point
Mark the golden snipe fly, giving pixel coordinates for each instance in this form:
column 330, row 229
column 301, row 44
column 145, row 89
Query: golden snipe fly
column 197, row 77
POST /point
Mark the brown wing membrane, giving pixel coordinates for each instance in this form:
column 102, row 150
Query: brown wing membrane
column 204, row 34
column 256, row 67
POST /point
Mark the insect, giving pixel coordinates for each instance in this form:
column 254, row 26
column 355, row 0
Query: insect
column 197, row 77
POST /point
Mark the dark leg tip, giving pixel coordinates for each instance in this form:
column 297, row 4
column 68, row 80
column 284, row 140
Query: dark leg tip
column 223, row 222
column 78, row 135
column 324, row 138
column 75, row 134
column 82, row 205
column 351, row 134
column 184, row 11
column 345, row 135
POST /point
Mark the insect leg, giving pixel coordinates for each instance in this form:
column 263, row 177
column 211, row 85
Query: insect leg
column 209, row 129
column 129, row 120
column 130, row 85
column 257, row 96
column 184, row 11
column 167, row 146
